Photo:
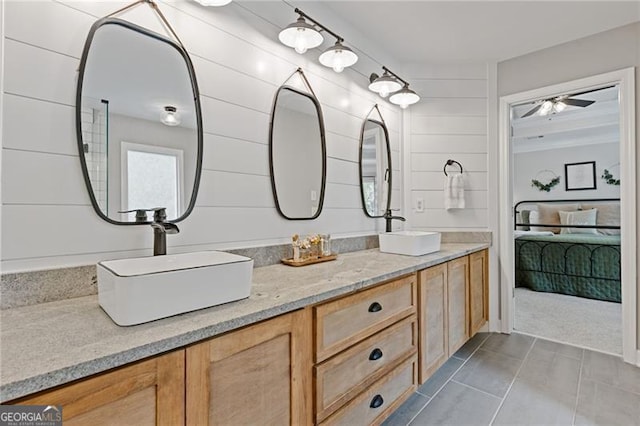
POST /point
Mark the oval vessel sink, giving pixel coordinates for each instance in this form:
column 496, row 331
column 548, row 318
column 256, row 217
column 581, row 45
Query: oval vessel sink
column 138, row 290
column 411, row 243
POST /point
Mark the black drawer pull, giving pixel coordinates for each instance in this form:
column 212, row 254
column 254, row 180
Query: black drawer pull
column 376, row 354
column 377, row 401
column 375, row 307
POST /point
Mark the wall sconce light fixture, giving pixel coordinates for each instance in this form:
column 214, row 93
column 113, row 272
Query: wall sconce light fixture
column 303, row 36
column 391, row 83
column 170, row 117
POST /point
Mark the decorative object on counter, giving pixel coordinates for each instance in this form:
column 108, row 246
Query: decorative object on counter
column 546, row 187
column 608, row 177
column 580, row 176
column 453, row 187
column 311, row 249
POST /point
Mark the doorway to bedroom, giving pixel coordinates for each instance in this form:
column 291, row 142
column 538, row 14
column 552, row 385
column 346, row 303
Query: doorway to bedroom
column 568, row 220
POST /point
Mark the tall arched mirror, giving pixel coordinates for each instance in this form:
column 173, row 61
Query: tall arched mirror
column 138, row 123
column 297, row 154
column 375, row 167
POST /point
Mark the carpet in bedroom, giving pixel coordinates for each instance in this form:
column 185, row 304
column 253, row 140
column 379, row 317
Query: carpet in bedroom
column 584, row 322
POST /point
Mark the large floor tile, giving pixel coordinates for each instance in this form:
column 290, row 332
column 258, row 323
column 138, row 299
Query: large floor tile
column 465, row 351
column 529, row 403
column 555, row 374
column 559, row 348
column 489, row 371
column 440, row 377
column 458, row 405
column 611, row 370
column 513, row 345
column 601, row 404
column 407, row 411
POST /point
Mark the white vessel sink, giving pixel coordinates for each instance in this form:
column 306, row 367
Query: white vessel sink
column 134, row 291
column 411, row 243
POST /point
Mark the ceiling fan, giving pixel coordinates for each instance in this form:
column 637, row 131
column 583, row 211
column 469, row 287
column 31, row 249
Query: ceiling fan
column 557, row 104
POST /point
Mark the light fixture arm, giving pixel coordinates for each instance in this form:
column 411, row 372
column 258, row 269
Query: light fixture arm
column 304, row 15
column 395, row 75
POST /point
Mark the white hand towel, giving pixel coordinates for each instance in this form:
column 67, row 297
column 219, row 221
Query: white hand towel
column 454, row 191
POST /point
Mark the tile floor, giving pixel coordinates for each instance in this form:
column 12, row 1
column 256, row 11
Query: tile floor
column 498, row 379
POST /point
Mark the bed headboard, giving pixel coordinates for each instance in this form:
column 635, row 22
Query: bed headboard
column 590, row 202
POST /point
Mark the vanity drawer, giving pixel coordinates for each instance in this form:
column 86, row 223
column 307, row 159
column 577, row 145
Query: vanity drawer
column 346, row 321
column 376, row 403
column 342, row 377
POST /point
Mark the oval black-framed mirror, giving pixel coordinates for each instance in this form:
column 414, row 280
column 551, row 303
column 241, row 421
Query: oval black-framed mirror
column 138, row 123
column 297, row 154
column 375, row 167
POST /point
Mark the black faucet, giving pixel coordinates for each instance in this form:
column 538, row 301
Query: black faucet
column 388, row 217
column 160, row 230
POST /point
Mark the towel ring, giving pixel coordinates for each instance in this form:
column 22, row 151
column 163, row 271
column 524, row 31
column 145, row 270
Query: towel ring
column 451, row 163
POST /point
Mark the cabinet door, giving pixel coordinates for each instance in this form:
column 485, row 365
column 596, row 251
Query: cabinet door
column 149, row 392
column 478, row 291
column 433, row 350
column 260, row 374
column 457, row 302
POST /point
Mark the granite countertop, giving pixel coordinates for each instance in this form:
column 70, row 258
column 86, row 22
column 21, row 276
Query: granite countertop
column 46, row 345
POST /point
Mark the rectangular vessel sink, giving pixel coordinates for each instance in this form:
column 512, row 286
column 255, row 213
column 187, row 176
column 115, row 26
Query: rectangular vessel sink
column 134, row 291
column 411, row 243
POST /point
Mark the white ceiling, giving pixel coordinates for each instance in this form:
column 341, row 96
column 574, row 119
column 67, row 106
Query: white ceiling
column 446, row 32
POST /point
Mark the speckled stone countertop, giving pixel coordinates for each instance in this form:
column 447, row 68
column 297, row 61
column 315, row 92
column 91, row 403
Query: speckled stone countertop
column 46, row 345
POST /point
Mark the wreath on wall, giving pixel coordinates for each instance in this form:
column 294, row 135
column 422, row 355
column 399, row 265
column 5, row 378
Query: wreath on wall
column 608, row 177
column 555, row 180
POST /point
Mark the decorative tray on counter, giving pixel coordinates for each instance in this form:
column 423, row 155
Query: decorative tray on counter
column 309, row 260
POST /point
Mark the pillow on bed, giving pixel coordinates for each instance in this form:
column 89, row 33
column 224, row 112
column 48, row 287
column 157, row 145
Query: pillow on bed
column 608, row 215
column 523, row 218
column 534, row 218
column 583, row 217
column 548, row 214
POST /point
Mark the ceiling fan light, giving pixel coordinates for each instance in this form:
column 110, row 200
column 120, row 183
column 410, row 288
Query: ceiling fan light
column 385, row 84
column 213, row 2
column 559, row 106
column 301, row 36
column 338, row 57
column 170, row 117
column 404, row 97
column 546, row 107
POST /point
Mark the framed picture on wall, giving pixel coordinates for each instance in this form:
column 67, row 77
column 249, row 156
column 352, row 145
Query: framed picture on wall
column 580, row 176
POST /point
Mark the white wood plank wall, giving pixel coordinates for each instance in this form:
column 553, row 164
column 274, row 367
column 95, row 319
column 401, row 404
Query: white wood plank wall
column 449, row 122
column 47, row 220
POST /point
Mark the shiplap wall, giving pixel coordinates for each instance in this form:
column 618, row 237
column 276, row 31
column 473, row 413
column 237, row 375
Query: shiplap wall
column 47, row 220
column 449, row 122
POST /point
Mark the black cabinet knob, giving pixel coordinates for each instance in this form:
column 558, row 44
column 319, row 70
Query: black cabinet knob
column 375, row 355
column 377, row 401
column 375, row 307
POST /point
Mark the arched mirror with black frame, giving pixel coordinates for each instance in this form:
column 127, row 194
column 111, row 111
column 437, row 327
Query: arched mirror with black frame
column 375, row 165
column 138, row 123
column 297, row 152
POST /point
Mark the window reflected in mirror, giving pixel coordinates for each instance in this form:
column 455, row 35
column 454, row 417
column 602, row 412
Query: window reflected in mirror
column 375, row 168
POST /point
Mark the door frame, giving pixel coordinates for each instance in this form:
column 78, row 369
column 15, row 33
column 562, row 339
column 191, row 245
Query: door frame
column 625, row 78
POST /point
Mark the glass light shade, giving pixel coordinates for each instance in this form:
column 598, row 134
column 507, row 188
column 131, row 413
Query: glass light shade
column 301, row 36
column 213, row 2
column 546, row 107
column 338, row 57
column 404, row 97
column 559, row 106
column 385, row 84
column 170, row 117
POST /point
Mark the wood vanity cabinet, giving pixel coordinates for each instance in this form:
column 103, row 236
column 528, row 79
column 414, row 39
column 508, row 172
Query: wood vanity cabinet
column 478, row 290
column 149, row 392
column 453, row 306
column 260, row 374
column 366, row 353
